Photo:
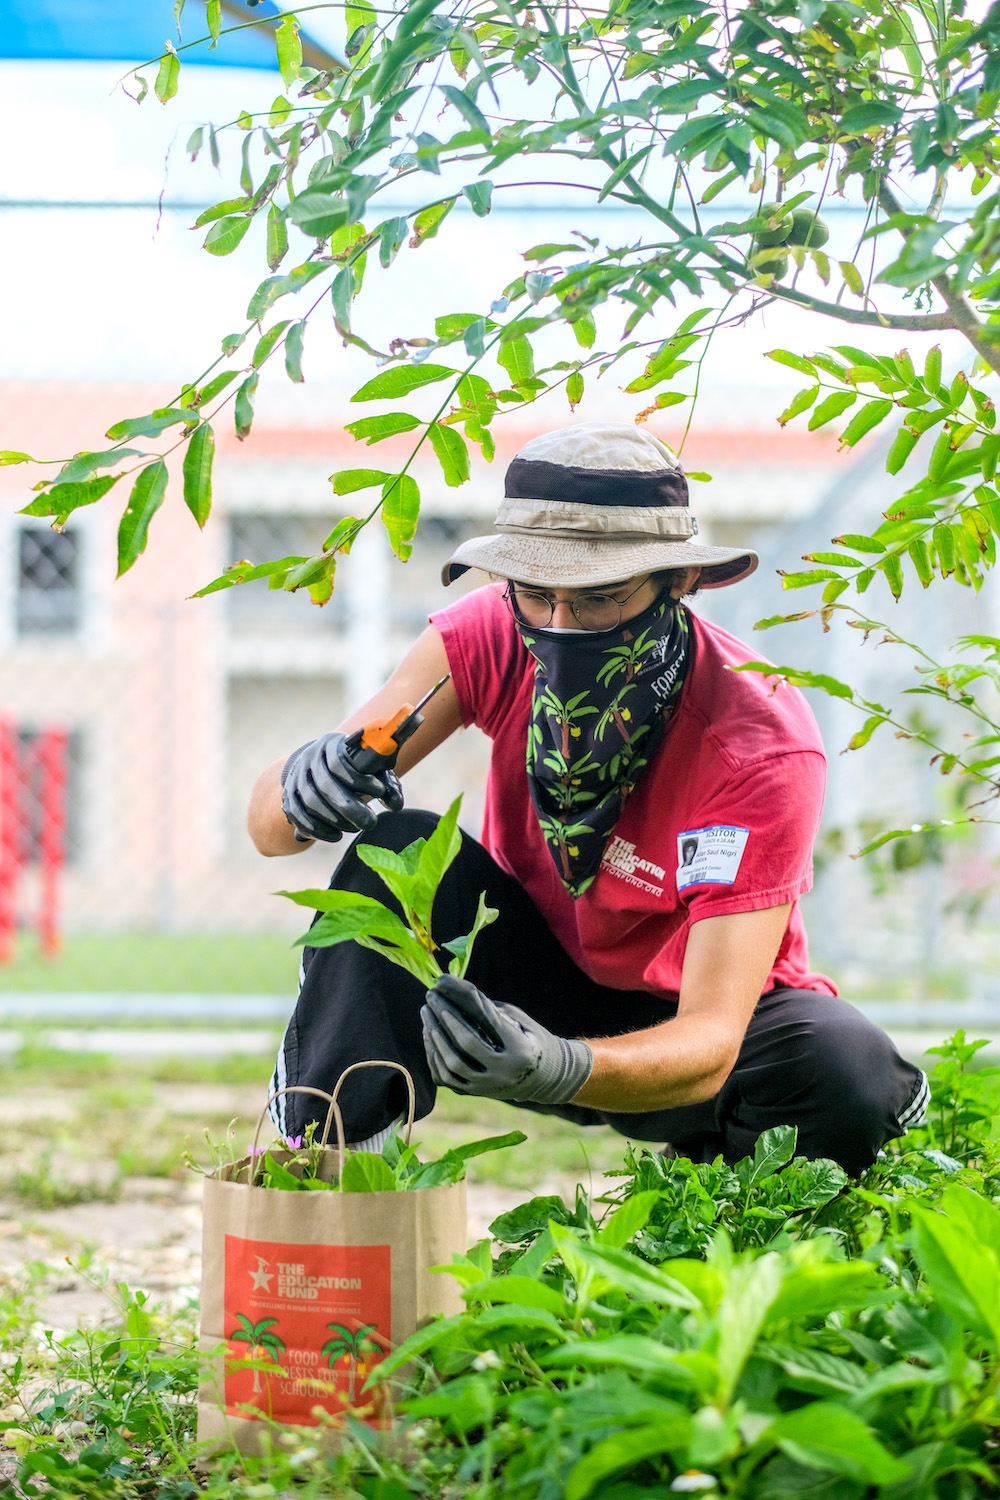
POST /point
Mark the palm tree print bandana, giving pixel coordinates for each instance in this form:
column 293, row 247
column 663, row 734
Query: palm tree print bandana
column 602, row 701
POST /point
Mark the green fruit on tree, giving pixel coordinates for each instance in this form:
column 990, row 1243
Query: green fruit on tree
column 780, row 223
column 807, row 229
column 770, row 262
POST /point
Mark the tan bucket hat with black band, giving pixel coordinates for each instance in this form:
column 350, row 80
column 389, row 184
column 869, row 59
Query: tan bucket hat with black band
column 593, row 504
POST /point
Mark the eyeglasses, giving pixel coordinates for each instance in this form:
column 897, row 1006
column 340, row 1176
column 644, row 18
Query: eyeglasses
column 592, row 611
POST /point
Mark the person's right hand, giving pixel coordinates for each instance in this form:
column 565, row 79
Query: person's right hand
column 322, row 792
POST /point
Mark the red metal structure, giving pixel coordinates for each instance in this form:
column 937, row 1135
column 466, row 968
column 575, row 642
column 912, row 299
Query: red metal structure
column 33, row 803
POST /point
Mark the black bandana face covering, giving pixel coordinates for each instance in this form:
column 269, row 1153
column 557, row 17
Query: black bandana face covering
column 602, row 700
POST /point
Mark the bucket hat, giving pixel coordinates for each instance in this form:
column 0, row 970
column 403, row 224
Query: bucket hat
column 592, row 504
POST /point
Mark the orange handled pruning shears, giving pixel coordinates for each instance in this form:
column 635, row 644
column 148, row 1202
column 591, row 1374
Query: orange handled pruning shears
column 374, row 746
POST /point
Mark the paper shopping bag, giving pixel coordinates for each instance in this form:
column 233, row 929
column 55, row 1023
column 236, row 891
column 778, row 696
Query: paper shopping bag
column 304, row 1292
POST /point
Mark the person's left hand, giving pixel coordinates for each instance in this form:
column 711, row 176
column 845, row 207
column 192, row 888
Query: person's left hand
column 497, row 1051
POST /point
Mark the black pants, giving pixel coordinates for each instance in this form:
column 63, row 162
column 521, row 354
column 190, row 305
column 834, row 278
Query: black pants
column 807, row 1059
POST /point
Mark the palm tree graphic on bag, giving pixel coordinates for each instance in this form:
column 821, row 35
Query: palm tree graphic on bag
column 354, row 1344
column 263, row 1343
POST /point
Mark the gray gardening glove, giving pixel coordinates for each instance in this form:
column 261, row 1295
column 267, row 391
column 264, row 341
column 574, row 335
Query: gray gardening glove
column 321, row 791
column 476, row 1047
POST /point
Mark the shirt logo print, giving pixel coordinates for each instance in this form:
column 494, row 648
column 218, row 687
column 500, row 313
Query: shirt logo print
column 621, row 860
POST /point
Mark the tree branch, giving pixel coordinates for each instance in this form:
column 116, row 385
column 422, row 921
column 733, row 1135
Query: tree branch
column 963, row 318
column 923, row 322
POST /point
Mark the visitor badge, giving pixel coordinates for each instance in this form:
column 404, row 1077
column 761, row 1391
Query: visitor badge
column 710, row 856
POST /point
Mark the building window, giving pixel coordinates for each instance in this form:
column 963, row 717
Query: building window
column 49, row 598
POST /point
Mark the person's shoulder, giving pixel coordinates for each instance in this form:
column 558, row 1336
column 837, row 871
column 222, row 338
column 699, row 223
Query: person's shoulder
column 478, row 629
column 481, row 609
column 748, row 714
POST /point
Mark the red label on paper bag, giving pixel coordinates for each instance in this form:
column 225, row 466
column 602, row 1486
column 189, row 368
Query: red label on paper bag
column 314, row 1319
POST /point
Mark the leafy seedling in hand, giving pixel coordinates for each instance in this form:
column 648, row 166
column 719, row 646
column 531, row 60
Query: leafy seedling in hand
column 413, row 876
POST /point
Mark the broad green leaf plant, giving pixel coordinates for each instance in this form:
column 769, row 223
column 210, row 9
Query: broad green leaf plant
column 412, row 876
column 660, row 106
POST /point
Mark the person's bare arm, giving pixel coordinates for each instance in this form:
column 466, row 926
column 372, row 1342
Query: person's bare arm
column 689, row 1058
column 424, row 664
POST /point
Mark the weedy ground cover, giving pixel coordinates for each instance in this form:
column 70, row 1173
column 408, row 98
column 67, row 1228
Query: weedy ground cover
column 767, row 1330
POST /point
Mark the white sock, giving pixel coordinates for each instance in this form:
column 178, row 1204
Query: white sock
column 377, row 1141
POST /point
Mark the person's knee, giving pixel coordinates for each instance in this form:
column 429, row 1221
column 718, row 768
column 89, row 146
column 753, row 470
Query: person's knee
column 862, row 1087
column 395, row 830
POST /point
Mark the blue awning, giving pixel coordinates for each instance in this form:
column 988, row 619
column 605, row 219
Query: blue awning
column 133, row 30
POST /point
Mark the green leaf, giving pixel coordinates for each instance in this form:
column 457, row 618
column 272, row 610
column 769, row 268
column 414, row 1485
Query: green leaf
column 85, row 465
column 145, row 500
column 825, row 1435
column 346, row 481
column 342, row 297
column 860, row 543
column 799, row 404
column 436, row 857
column 224, row 236
column 852, row 277
column 959, row 1257
column 866, row 731
column 293, row 350
column 832, row 407
column 452, row 454
column 198, row 472
column 269, row 291
column 429, row 220
column 218, row 383
column 400, row 380
column 627, row 1450
column 872, row 116
column 241, row 573
column 12, row 456
column 862, row 422
column 243, row 411
column 319, row 214
column 529, row 1219
column 213, row 15
column 491, row 1142
column 267, row 342
column 277, row 237
column 289, row 50
column 280, row 110
column 516, row 357
column 63, row 499
column 466, row 107
column 364, row 1172
column 628, row 1218
column 151, row 426
column 521, row 1289
column 584, row 330
column 793, row 361
column 374, row 429
column 800, row 678
column 574, row 389
column 900, row 449
column 219, row 210
column 400, row 509
column 480, row 196
column 461, row 947
column 167, row 77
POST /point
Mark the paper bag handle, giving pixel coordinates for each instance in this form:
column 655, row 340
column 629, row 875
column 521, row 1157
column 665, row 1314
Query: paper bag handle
column 333, row 1114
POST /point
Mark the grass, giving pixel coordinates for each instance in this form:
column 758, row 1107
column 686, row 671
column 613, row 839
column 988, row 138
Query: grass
column 225, row 963
column 105, row 1118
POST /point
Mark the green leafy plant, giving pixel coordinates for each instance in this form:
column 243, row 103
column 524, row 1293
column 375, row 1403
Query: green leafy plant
column 395, row 1169
column 764, row 1330
column 412, row 876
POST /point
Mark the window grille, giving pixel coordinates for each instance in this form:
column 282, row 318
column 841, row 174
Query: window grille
column 49, row 600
